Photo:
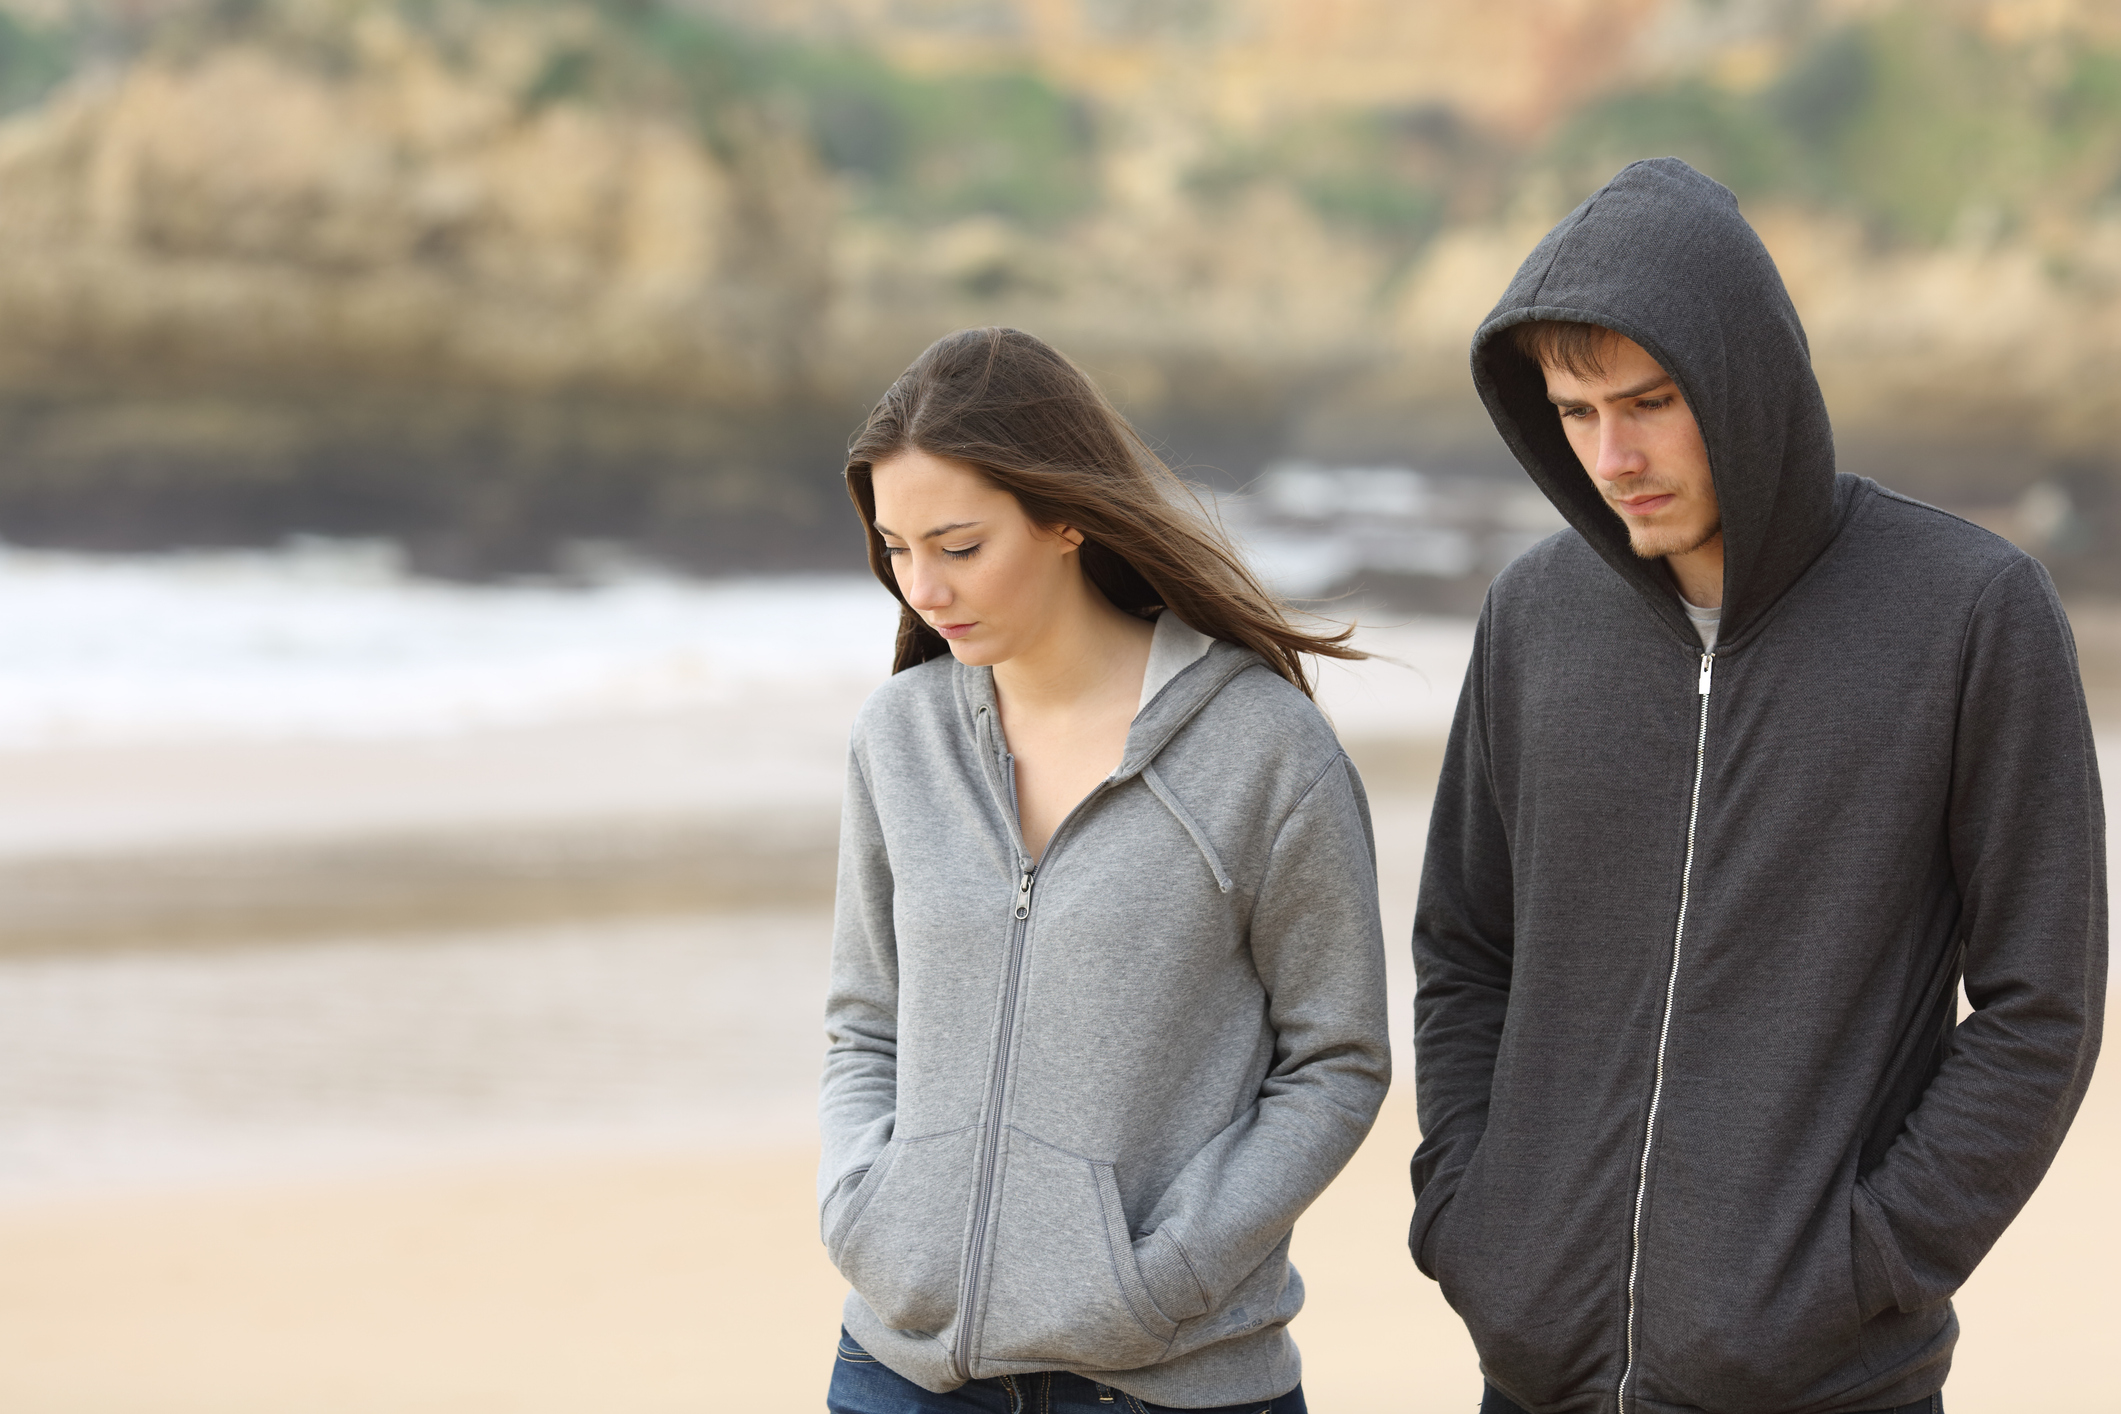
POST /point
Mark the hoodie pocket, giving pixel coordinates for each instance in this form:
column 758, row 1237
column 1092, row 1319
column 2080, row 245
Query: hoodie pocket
column 1518, row 1284
column 1063, row 1287
column 844, row 1205
column 901, row 1233
column 1431, row 1211
column 1438, row 1251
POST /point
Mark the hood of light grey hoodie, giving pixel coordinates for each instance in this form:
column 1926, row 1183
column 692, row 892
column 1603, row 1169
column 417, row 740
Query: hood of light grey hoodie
column 1071, row 1113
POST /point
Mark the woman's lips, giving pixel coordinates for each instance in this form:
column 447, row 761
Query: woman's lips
column 954, row 630
column 1647, row 505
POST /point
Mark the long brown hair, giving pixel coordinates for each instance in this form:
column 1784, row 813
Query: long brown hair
column 1012, row 408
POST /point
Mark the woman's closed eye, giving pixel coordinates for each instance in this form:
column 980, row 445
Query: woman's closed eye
column 962, row 552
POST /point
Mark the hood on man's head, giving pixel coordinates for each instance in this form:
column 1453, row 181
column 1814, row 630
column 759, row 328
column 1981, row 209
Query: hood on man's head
column 1661, row 254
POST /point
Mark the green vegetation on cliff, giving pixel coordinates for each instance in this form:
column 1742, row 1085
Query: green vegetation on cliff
column 1913, row 122
column 1395, row 176
column 34, row 59
column 931, row 147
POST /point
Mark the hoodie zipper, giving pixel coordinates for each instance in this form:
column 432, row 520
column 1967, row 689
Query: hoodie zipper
column 990, row 1142
column 1664, row 1031
column 998, row 1073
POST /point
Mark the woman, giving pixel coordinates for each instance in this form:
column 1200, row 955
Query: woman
column 1107, row 1004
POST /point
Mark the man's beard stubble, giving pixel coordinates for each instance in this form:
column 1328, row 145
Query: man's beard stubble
column 1656, row 549
column 1655, row 543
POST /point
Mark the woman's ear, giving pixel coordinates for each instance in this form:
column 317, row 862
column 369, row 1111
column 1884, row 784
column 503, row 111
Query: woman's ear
column 1068, row 535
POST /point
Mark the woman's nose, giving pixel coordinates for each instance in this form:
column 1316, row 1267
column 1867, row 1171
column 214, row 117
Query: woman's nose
column 924, row 589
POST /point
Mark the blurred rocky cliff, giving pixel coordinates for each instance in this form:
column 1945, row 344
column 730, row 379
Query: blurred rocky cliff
column 491, row 275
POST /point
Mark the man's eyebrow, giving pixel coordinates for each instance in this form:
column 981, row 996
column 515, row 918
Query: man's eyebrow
column 882, row 529
column 1648, row 386
column 1620, row 397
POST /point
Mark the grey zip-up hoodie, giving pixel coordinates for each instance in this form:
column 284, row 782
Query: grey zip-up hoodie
column 1699, row 1131
column 1071, row 1113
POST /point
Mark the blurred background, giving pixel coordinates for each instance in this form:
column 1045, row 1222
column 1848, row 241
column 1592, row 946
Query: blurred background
column 430, row 616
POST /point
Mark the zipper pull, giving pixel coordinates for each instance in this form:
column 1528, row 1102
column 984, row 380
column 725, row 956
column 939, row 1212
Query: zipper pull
column 1023, row 895
column 1706, row 660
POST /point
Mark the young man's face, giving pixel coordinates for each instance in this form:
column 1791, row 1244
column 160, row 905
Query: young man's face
column 1636, row 437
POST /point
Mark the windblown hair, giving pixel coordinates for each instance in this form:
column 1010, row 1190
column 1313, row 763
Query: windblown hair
column 1013, row 409
column 1578, row 349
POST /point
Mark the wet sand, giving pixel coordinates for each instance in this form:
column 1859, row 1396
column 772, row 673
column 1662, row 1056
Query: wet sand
column 725, row 805
column 158, row 845
column 160, row 1069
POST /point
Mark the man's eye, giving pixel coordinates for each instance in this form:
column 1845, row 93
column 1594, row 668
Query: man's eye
column 1652, row 404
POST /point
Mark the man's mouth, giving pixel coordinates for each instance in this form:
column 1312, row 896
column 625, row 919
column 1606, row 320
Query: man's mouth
column 1645, row 505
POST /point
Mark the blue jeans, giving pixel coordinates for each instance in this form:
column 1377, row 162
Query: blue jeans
column 863, row 1384
column 1495, row 1402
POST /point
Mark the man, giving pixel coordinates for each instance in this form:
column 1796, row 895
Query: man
column 1753, row 765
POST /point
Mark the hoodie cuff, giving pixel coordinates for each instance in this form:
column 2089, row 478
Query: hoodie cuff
column 1172, row 1285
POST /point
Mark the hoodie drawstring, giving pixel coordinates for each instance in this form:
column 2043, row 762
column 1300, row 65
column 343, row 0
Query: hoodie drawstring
column 1179, row 812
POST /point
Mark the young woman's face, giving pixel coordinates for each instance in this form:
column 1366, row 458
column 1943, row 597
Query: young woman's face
column 968, row 559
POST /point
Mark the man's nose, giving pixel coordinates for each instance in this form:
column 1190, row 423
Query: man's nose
column 1618, row 456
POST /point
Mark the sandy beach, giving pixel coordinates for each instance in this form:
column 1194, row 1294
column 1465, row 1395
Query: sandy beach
column 691, row 1280
column 647, row 1273
column 469, row 1071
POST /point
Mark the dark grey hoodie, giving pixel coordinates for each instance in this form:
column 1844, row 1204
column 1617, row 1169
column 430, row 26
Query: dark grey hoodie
column 1700, row 1132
